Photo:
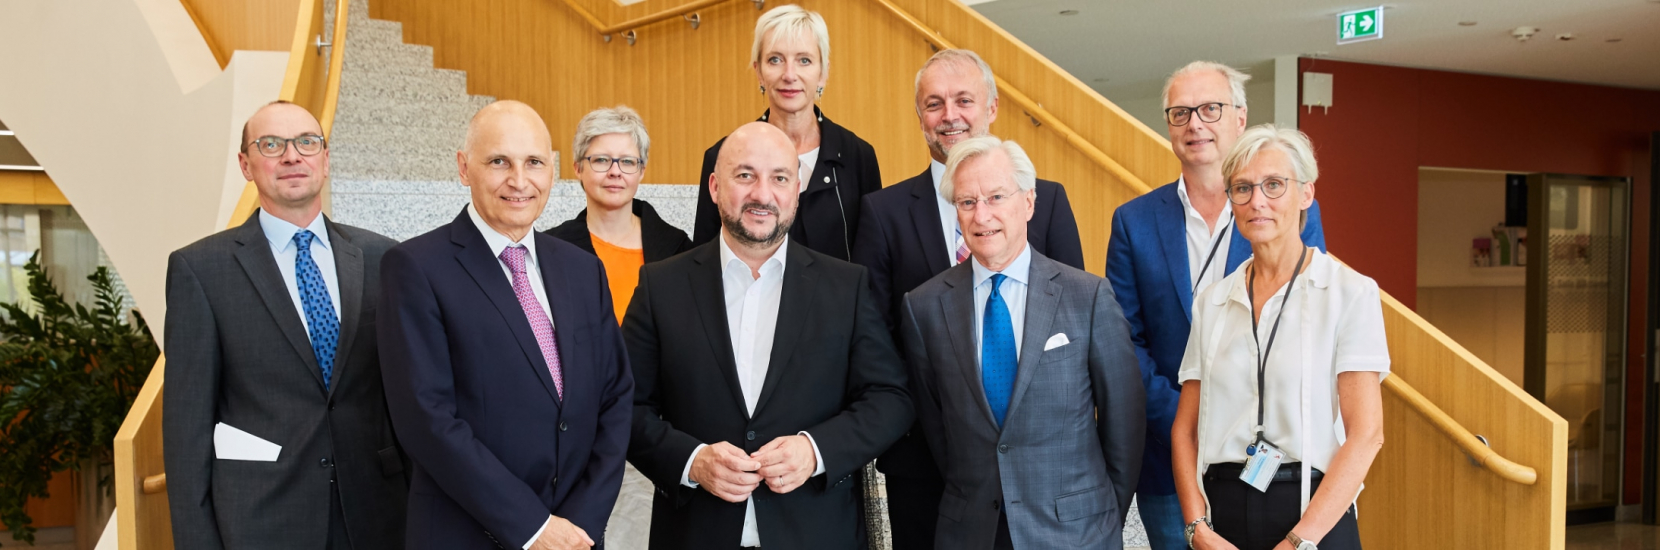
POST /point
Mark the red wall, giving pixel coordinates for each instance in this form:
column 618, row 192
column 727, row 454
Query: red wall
column 1389, row 121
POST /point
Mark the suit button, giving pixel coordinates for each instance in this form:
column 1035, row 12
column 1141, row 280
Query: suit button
column 325, row 463
column 555, row 481
column 563, row 426
column 750, row 436
column 331, row 406
column 1002, row 448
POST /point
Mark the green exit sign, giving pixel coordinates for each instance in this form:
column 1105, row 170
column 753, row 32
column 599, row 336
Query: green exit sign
column 1360, row 25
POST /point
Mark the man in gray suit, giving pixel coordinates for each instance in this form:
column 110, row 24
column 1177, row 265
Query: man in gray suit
column 1023, row 375
column 274, row 423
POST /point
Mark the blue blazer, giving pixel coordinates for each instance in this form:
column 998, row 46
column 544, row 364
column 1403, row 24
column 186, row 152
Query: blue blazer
column 1147, row 264
column 495, row 451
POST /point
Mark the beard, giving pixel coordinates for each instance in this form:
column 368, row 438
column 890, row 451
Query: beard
column 735, row 226
column 938, row 145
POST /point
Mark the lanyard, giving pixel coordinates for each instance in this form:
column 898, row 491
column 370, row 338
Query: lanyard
column 1214, row 246
column 1263, row 351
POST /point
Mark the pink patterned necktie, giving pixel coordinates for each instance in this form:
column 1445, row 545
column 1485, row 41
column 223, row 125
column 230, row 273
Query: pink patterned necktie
column 514, row 257
column 962, row 247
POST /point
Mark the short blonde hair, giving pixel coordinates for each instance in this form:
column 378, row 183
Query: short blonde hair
column 611, row 120
column 1024, row 176
column 1236, row 80
column 1293, row 143
column 793, row 19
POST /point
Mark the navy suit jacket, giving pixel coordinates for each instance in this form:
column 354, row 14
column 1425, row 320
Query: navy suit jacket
column 495, row 450
column 901, row 243
column 1147, row 264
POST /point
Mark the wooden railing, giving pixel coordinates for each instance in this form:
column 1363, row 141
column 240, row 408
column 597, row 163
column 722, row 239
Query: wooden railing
column 606, row 31
column 143, row 520
column 1473, row 446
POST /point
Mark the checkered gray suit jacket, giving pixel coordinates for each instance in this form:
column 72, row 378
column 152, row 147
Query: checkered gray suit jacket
column 1065, row 463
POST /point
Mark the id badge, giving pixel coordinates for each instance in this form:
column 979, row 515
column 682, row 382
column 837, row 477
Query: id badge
column 1260, row 467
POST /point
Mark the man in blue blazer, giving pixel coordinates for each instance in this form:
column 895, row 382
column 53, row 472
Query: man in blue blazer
column 505, row 371
column 908, row 234
column 1168, row 245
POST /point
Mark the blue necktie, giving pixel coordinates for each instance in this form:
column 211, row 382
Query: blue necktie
column 998, row 360
column 319, row 309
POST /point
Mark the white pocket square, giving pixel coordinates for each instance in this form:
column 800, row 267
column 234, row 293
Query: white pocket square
column 230, row 443
column 1058, row 340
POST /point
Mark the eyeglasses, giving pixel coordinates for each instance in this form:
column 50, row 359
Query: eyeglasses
column 994, row 201
column 1273, row 187
column 1208, row 112
column 628, row 165
column 305, row 144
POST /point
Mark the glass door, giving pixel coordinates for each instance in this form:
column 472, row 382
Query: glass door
column 1577, row 252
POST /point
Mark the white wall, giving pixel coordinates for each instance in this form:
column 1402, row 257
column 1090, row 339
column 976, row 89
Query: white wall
column 1455, row 206
column 122, row 103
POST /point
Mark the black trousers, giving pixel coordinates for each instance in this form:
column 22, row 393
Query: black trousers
column 1258, row 520
column 914, row 510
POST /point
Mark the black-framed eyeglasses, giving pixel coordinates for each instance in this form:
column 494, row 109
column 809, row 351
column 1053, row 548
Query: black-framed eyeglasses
column 1273, row 187
column 1208, row 112
column 305, row 144
column 994, row 201
column 628, row 165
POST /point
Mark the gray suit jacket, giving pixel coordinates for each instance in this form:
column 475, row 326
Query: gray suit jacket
column 237, row 352
column 1065, row 464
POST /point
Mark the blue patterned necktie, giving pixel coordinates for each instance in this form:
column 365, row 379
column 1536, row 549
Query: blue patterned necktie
column 319, row 309
column 998, row 360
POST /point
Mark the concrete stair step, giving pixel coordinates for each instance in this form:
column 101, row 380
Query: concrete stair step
column 404, row 83
column 445, row 115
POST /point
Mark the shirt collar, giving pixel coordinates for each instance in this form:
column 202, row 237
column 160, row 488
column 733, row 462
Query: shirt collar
column 1019, row 270
column 936, row 170
column 1321, row 268
column 727, row 256
column 499, row 242
column 281, row 233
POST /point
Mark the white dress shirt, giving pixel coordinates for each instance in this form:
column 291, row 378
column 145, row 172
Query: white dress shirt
column 1013, row 291
column 497, row 243
column 280, row 234
column 808, row 161
column 1334, row 324
column 1201, row 236
column 751, row 321
column 948, row 213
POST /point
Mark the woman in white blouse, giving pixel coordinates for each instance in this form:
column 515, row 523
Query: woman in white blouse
column 1280, row 414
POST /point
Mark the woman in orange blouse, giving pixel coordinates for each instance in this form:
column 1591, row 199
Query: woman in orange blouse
column 610, row 151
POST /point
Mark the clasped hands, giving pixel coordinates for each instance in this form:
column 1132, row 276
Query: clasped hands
column 731, row 474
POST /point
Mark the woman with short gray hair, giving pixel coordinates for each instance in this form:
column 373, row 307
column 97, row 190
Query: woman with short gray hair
column 1280, row 414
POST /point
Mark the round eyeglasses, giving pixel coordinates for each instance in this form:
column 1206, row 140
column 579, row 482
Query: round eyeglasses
column 1273, row 187
column 628, row 165
column 305, row 144
column 1208, row 112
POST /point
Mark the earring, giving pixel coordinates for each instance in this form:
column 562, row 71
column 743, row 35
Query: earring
column 763, row 89
column 821, row 91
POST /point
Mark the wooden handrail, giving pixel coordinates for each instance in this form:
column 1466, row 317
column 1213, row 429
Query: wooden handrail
column 1478, row 451
column 1032, row 107
column 337, row 61
column 640, row 21
column 155, row 484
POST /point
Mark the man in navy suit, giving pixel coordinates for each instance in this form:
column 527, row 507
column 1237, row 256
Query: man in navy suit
column 908, row 234
column 505, row 371
column 1168, row 245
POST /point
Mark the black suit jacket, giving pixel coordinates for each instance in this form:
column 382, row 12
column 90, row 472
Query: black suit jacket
column 238, row 353
column 834, row 373
column 495, row 450
column 900, row 241
column 828, row 214
column 658, row 239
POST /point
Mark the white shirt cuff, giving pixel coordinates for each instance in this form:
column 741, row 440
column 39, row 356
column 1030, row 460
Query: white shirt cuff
column 686, row 474
column 538, row 533
column 818, row 457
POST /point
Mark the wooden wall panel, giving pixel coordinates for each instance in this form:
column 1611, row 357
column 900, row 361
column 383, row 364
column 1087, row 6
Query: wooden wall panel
column 229, row 26
column 29, row 187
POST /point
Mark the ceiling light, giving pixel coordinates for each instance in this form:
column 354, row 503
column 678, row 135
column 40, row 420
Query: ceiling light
column 7, row 133
column 1103, row 79
column 1069, row 12
column 1524, row 33
column 1466, row 23
column 1565, row 36
column 1614, row 40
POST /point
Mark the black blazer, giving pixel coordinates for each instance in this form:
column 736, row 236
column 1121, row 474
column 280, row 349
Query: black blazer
column 658, row 239
column 238, row 353
column 834, row 373
column 900, row 241
column 828, row 214
column 495, row 450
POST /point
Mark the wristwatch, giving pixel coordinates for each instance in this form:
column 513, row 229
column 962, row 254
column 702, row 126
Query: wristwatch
column 1298, row 543
column 1193, row 528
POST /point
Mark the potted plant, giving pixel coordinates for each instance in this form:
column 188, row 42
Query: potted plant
column 68, row 375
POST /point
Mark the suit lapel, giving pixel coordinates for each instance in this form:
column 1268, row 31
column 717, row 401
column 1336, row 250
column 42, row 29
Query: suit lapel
column 795, row 300
column 709, row 293
column 348, row 268
column 958, row 307
column 261, row 266
column 925, row 213
column 1171, row 221
column 1043, row 299
column 557, row 287
column 487, row 273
